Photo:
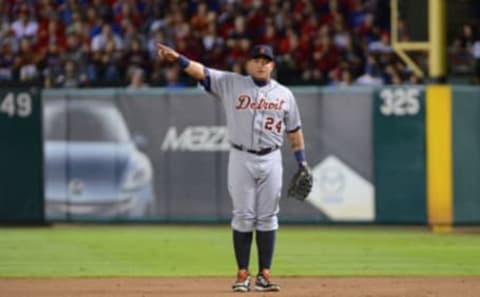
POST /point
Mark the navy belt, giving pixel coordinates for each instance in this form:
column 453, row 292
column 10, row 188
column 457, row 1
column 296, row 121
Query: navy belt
column 260, row 152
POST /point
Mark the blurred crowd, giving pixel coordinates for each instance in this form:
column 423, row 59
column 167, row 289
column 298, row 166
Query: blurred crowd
column 75, row 43
column 464, row 53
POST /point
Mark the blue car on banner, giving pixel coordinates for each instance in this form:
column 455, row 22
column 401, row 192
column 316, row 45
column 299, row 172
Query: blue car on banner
column 93, row 168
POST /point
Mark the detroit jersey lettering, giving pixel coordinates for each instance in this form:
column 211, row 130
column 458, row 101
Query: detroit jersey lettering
column 269, row 110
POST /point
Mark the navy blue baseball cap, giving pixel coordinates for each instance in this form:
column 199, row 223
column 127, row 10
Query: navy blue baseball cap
column 262, row 50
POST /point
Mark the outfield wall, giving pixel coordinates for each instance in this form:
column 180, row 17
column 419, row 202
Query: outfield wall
column 378, row 156
column 399, row 155
column 466, row 154
column 21, row 156
column 182, row 134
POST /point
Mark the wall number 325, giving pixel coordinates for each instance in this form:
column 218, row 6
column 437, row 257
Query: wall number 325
column 16, row 105
column 400, row 102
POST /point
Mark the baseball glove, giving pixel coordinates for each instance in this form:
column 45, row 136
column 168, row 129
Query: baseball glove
column 301, row 184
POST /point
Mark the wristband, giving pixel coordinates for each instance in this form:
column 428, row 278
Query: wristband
column 300, row 156
column 183, row 61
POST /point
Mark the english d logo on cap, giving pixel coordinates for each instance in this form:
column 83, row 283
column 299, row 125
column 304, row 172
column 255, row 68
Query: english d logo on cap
column 262, row 51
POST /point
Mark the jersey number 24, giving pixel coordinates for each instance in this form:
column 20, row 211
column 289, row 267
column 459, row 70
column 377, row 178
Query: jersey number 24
column 272, row 126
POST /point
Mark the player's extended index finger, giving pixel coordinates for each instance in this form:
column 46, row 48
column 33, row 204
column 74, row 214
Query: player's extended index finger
column 161, row 46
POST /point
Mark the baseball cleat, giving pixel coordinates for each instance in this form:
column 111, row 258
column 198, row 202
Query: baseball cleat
column 263, row 282
column 242, row 283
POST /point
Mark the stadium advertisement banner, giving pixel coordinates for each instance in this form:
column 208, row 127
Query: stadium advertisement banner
column 157, row 155
column 341, row 193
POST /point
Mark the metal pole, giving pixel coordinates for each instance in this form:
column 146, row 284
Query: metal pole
column 437, row 32
column 400, row 47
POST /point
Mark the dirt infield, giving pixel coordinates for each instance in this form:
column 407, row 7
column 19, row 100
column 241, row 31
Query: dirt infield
column 216, row 287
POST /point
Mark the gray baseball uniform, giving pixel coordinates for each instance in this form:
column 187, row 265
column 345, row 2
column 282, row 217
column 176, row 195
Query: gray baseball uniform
column 256, row 120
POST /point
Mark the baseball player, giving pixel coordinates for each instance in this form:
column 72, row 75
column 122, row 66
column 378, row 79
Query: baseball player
column 258, row 111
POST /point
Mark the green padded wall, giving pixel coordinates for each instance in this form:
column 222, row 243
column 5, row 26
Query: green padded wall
column 399, row 155
column 466, row 154
column 21, row 157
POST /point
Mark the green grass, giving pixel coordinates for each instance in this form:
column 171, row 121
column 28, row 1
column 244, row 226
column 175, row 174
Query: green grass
column 206, row 251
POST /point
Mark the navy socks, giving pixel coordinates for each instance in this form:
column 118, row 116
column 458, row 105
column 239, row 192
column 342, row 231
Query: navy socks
column 242, row 241
column 265, row 247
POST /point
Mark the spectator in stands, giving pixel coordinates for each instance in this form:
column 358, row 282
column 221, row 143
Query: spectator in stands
column 131, row 34
column 137, row 79
column 238, row 41
column 476, row 57
column 127, row 11
column 5, row 31
column 136, row 57
column 381, row 46
column 93, row 22
column 180, row 28
column 71, row 77
column 460, row 51
column 106, row 55
column 371, row 76
column 172, row 78
column 25, row 65
column 402, row 31
column 24, row 26
column 75, row 50
column 414, row 79
column 101, row 41
column 108, row 63
column 237, row 51
column 78, row 26
column 51, row 63
column 45, row 9
column 210, row 38
column 50, row 31
column 391, row 75
column 325, row 53
column 7, row 61
column 352, row 54
column 104, row 9
column 341, row 77
column 202, row 18
column 467, row 37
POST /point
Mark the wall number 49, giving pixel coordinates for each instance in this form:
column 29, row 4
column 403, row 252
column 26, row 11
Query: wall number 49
column 400, row 102
column 16, row 105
